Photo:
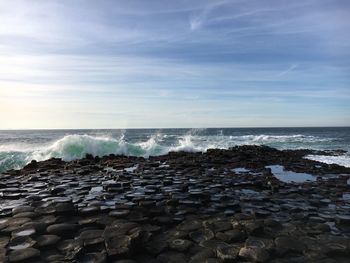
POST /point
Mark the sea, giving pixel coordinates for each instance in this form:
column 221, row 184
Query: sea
column 19, row 147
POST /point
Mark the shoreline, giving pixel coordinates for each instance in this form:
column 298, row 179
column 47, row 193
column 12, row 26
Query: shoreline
column 178, row 207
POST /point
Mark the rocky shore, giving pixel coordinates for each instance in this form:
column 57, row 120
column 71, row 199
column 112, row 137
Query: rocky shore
column 218, row 206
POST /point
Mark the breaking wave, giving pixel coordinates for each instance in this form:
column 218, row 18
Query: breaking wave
column 343, row 160
column 76, row 146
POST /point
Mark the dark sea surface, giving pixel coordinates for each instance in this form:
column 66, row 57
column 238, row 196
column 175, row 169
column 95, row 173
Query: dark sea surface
column 18, row 147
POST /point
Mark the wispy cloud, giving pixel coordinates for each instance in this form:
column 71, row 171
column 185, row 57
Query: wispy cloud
column 292, row 67
column 230, row 58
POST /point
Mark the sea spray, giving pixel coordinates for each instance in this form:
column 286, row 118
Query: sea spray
column 70, row 145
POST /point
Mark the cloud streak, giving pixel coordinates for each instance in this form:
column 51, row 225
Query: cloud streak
column 135, row 57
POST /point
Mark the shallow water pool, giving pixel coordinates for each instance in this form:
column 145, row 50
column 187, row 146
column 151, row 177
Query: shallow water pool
column 289, row 176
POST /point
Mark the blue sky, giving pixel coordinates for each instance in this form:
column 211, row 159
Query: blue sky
column 128, row 64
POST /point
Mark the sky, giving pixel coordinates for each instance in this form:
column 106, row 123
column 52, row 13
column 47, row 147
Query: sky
column 184, row 63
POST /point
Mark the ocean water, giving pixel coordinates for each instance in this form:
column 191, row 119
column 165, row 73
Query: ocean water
column 18, row 147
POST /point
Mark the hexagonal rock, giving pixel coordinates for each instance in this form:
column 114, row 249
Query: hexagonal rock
column 202, row 256
column 65, row 209
column 180, row 244
column 125, row 261
column 3, row 257
column 22, row 209
column 201, row 235
column 212, row 244
column 156, row 245
column 285, row 244
column 234, row 235
column 89, row 210
column 119, row 228
column 70, row 248
column 47, row 240
column 119, row 213
column 218, row 226
column 118, row 246
column 254, row 254
column 95, row 257
column 228, row 253
column 264, row 243
column 62, row 229
column 190, row 225
column 4, row 241
column 172, row 257
column 343, row 220
column 92, row 237
column 23, row 231
column 23, row 254
column 18, row 243
column 25, row 214
column 334, row 245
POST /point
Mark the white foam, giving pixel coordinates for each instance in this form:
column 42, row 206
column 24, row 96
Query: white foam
column 343, row 160
column 186, row 144
column 76, row 146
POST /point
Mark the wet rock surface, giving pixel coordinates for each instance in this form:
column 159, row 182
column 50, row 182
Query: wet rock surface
column 218, row 206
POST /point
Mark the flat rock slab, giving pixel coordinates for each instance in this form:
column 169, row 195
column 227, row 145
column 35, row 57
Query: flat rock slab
column 62, row 229
column 47, row 240
column 118, row 246
column 23, row 255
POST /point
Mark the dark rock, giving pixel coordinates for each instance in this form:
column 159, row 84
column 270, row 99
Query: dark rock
column 94, row 257
column 254, row 254
column 180, row 244
column 285, row 244
column 52, row 255
column 23, row 231
column 156, row 244
column 89, row 210
column 118, row 246
column 65, row 209
column 62, row 229
column 23, row 255
column 21, row 242
column 343, row 220
column 150, row 214
column 201, row 235
column 127, row 261
column 47, row 240
column 212, row 244
column 22, row 209
column 264, row 243
column 4, row 241
column 218, row 226
column 190, row 225
column 119, row 213
column 253, row 227
column 92, row 237
column 119, row 228
column 70, row 248
column 172, row 257
column 234, row 235
column 202, row 256
column 228, row 253
column 3, row 257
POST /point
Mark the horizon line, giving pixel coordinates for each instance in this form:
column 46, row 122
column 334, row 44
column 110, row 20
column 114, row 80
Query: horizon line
column 179, row 128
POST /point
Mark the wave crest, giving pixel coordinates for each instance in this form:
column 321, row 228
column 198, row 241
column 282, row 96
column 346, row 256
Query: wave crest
column 72, row 147
column 76, row 146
